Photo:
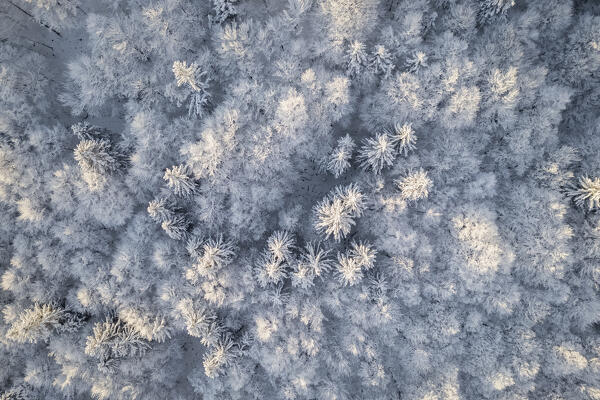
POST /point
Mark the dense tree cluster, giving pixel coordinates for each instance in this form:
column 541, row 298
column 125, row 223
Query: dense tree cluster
column 300, row 199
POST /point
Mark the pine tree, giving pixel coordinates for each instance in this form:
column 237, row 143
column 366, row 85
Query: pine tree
column 270, row 270
column 363, row 254
column 316, row 259
column 179, row 180
column 197, row 81
column 220, row 357
column 404, row 138
column 97, row 160
column 339, row 159
column 415, row 185
column 40, row 321
column 335, row 213
column 349, row 271
column 176, row 227
column 357, row 58
column 161, row 210
column 352, row 264
column 211, row 255
column 96, row 156
column 381, row 61
column 352, row 197
column 377, row 153
column 200, row 322
column 416, row 62
column 280, row 245
column 198, row 103
column 187, row 74
column 588, row 191
column 113, row 339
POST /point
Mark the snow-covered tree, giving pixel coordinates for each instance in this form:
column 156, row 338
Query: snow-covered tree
column 415, row 185
column 357, row 58
column 587, row 192
column 405, row 138
column 40, row 321
column 381, row 61
column 179, row 180
column 336, row 213
column 339, row 159
column 378, row 152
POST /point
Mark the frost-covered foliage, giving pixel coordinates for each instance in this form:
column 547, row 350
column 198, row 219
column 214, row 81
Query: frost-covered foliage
column 300, row 199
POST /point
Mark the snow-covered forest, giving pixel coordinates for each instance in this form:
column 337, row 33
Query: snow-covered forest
column 299, row 199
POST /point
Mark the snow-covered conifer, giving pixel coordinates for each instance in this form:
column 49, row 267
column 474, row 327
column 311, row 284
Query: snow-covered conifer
column 270, row 270
column 179, row 180
column 200, row 322
column 351, row 264
column 198, row 81
column 417, row 61
column 316, row 259
column 349, row 271
column 198, row 103
column 219, row 357
column 302, row 276
column 211, row 255
column 339, row 159
column 280, row 245
column 175, row 227
column 357, row 58
column 334, row 218
column 404, row 137
column 587, row 192
column 363, row 254
column 187, row 74
column 161, row 210
column 415, row 185
column 96, row 156
column 114, row 340
column 352, row 198
column 336, row 213
column 39, row 322
column 313, row 262
column 381, row 61
column 377, row 153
